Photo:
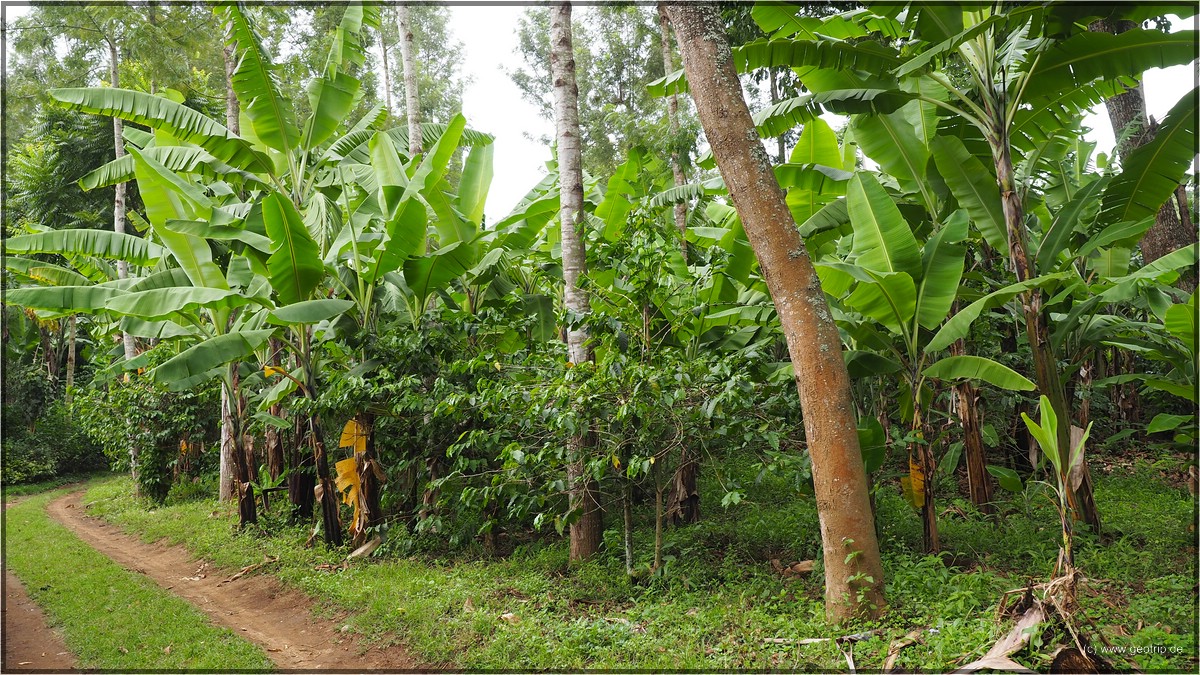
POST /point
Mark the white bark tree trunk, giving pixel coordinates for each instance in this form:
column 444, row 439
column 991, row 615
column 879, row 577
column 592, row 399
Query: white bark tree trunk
column 673, row 119
column 119, row 200
column 412, row 100
column 586, row 531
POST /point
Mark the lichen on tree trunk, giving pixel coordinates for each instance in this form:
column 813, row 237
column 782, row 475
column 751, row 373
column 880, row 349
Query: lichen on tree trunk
column 853, row 570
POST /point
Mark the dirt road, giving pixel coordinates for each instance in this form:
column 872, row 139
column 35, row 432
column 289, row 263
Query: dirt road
column 258, row 607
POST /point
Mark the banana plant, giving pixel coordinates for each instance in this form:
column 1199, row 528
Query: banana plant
column 894, row 292
column 1029, row 71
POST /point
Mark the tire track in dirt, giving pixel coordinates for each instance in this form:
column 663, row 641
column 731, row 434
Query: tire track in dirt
column 29, row 642
column 259, row 608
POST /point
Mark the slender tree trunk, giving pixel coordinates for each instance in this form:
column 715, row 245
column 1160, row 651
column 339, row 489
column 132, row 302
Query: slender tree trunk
column 780, row 145
column 966, row 398
column 232, row 109
column 853, row 570
column 387, row 67
column 922, row 466
column 627, row 512
column 1036, row 329
column 119, row 200
column 587, row 529
column 273, row 446
column 225, row 480
column 673, row 120
column 1132, row 128
column 71, row 328
column 412, row 101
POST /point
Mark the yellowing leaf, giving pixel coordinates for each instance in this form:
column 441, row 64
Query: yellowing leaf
column 347, row 482
column 273, row 370
column 616, row 462
column 354, row 435
column 915, row 490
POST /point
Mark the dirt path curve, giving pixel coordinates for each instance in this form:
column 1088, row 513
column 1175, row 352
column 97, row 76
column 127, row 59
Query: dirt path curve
column 29, row 642
column 259, row 608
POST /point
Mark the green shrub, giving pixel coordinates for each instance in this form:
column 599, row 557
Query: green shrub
column 142, row 419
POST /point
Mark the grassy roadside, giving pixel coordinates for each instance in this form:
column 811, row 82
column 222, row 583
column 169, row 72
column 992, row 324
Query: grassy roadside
column 26, row 489
column 720, row 600
column 113, row 619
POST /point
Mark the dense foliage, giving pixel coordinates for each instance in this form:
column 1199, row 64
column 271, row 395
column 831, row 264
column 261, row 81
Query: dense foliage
column 392, row 355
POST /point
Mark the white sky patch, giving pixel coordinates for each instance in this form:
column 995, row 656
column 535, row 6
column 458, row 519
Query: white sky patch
column 493, row 103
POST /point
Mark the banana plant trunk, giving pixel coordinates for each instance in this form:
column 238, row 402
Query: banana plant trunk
column 330, row 520
column 273, row 441
column 853, row 569
column 1045, row 361
column 683, row 501
column 369, row 473
column 587, row 529
column 301, row 474
column 966, row 399
column 243, row 471
column 922, row 467
column 70, row 388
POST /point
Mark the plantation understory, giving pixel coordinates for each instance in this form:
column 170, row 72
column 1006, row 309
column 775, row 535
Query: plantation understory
column 719, row 603
column 817, row 337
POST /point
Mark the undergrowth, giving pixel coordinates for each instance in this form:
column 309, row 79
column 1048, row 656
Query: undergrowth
column 719, row 603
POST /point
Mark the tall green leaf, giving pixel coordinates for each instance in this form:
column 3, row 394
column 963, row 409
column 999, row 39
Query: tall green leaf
column 294, row 268
column 883, row 241
column 974, row 187
column 99, row 243
column 1151, row 173
column 1088, row 56
column 942, row 268
column 65, row 299
column 198, row 363
column 255, row 83
column 157, row 112
column 979, row 368
column 475, row 182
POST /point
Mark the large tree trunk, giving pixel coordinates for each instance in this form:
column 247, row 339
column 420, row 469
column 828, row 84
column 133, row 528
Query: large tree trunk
column 853, row 570
column 370, row 474
column 587, row 529
column 1132, row 129
column 673, row 120
column 412, row 102
column 1045, row 361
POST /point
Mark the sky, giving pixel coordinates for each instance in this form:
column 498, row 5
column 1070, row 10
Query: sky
column 493, row 103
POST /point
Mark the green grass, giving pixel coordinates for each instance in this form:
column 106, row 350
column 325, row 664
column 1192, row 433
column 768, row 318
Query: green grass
column 719, row 597
column 25, row 489
column 113, row 619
